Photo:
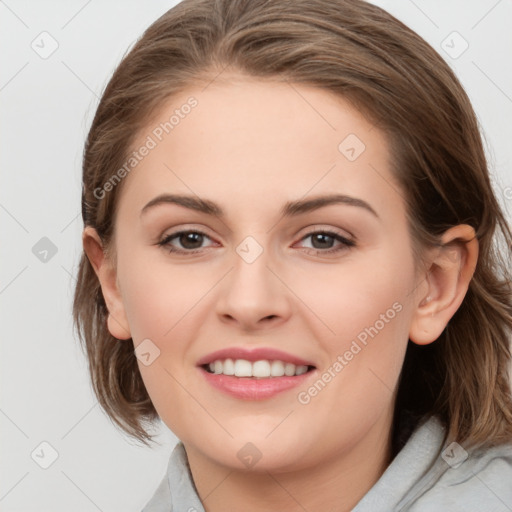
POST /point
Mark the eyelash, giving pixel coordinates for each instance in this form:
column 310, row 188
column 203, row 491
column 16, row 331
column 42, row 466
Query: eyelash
column 345, row 242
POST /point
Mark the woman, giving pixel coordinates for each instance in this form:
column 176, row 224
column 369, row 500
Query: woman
column 291, row 258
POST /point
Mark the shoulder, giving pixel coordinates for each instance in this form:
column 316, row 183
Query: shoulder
column 176, row 491
column 430, row 474
column 470, row 481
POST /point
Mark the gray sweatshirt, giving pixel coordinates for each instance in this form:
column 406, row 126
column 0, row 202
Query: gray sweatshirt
column 425, row 476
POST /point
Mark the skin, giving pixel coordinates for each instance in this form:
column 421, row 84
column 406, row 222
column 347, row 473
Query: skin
column 250, row 146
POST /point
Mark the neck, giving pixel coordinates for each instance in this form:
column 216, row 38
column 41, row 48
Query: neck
column 338, row 482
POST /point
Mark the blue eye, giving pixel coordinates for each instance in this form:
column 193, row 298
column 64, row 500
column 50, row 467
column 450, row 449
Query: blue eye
column 191, row 242
column 323, row 241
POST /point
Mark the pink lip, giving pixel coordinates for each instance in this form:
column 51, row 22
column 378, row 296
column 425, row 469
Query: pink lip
column 252, row 355
column 250, row 388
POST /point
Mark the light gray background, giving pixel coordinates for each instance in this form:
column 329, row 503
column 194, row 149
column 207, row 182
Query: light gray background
column 46, row 108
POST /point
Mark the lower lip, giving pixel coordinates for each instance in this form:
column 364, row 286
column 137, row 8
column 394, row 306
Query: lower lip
column 250, row 388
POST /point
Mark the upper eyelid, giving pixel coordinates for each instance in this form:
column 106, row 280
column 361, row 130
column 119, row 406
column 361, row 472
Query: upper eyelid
column 314, row 228
column 311, row 231
column 186, row 230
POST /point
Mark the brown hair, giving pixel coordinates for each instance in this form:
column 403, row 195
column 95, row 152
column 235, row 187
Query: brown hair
column 362, row 53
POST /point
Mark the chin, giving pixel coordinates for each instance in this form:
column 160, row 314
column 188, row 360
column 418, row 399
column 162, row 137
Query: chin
column 253, row 450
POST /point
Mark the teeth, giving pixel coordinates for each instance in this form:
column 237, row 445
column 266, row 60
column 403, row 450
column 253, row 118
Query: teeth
column 290, row 369
column 277, row 369
column 259, row 369
column 300, row 370
column 228, row 367
column 243, row 368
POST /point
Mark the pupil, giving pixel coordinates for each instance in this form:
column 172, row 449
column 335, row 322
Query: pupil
column 191, row 240
column 194, row 240
column 325, row 241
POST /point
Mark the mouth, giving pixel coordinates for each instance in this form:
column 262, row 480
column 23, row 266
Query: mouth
column 261, row 369
column 254, row 374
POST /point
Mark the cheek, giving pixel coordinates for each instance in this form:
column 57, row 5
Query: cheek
column 158, row 296
column 365, row 311
column 361, row 293
column 366, row 304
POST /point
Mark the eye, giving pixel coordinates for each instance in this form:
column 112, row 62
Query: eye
column 324, row 242
column 191, row 241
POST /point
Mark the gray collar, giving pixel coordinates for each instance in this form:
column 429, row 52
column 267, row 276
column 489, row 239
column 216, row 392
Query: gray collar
column 413, row 471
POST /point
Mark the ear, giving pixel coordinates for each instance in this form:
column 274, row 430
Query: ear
column 447, row 279
column 107, row 275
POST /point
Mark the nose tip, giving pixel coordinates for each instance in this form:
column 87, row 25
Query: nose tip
column 247, row 322
column 253, row 297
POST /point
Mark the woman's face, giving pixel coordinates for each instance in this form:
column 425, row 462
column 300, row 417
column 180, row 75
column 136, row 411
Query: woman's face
column 304, row 258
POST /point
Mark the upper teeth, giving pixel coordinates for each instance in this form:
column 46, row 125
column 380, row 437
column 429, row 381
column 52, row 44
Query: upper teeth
column 263, row 368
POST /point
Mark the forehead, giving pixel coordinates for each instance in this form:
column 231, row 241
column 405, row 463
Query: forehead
column 272, row 140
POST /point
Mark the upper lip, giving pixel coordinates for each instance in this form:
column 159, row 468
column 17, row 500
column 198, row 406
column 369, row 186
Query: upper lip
column 255, row 354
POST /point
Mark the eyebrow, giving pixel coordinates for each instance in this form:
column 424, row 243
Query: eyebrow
column 291, row 208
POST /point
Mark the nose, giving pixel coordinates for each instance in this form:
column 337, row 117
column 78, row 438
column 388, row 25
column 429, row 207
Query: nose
column 253, row 297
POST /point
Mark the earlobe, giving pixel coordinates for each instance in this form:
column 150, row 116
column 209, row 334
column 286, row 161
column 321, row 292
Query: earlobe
column 447, row 280
column 117, row 322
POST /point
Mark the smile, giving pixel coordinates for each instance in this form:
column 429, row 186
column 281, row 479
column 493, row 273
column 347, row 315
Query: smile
column 254, row 374
column 258, row 369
